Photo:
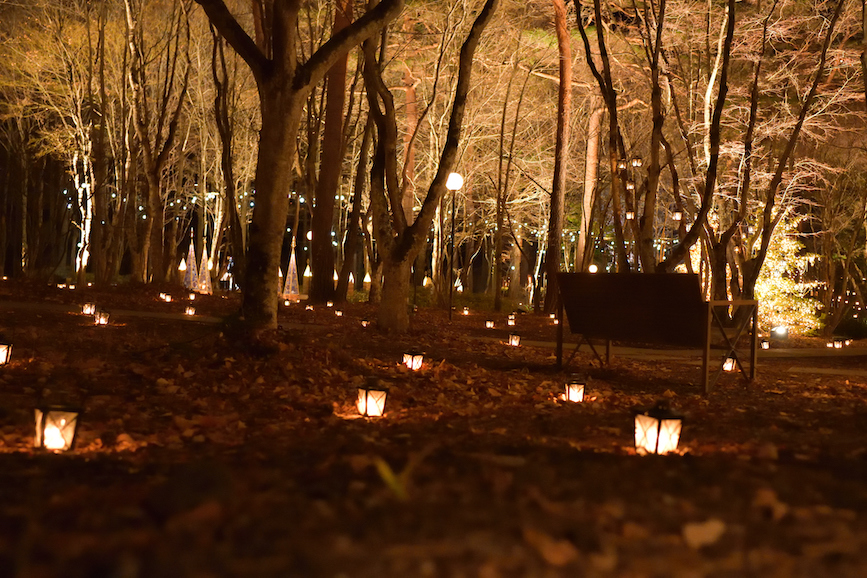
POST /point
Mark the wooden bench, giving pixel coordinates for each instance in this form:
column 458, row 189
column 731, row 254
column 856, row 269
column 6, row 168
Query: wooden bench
column 656, row 308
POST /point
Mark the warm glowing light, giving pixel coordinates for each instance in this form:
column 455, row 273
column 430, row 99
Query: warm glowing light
column 575, row 389
column 780, row 332
column 454, row 182
column 88, row 309
column 592, row 268
column 413, row 360
column 329, row 303
column 365, row 323
column 192, row 296
column 72, row 286
column 5, row 353
column 630, row 215
column 366, row 278
column 338, row 313
column 190, row 311
column 335, row 277
column 56, row 428
column 466, row 311
column 100, row 318
column 514, row 340
column 308, row 308
column 183, row 265
column 637, row 162
column 657, row 430
column 729, row 364
column 766, row 344
column 371, row 399
column 489, row 324
column 677, row 216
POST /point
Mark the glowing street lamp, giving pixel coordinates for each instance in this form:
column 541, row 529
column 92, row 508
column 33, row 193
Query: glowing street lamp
column 56, row 428
column 371, row 398
column 657, row 430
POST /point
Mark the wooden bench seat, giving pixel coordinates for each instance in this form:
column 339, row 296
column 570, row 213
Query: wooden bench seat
column 656, row 308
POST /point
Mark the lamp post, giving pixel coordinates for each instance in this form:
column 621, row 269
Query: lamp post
column 454, row 183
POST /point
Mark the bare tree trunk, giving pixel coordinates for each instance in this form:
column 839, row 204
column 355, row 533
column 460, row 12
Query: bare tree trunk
column 561, row 155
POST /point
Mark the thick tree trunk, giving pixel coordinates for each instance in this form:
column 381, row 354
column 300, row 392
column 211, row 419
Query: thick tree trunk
column 394, row 307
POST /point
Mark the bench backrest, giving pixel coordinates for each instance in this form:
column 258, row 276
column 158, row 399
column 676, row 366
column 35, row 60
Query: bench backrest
column 643, row 307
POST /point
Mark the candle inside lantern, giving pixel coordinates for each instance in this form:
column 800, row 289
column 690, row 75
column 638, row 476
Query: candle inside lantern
column 286, row 303
column 192, row 296
column 88, row 309
column 729, row 364
column 489, row 324
column 413, row 360
column 466, row 311
column 5, row 353
column 56, row 428
column 190, row 311
column 630, row 215
column 329, row 304
column 838, row 343
column 371, row 399
column 338, row 313
column 657, row 430
column 514, row 340
column 100, row 318
column 167, row 298
column 766, row 344
column 575, row 389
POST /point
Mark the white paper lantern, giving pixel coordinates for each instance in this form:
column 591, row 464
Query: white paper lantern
column 575, row 388
column 413, row 360
column 56, row 428
column 5, row 353
column 88, row 309
column 100, row 318
column 371, row 398
column 657, row 430
column 514, row 340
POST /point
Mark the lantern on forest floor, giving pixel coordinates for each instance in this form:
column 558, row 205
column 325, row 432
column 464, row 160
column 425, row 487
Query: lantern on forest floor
column 100, row 318
column 677, row 216
column 286, row 303
column 192, row 296
column 847, row 342
column 88, row 309
column 72, row 286
column 489, row 324
column 413, row 360
column 514, row 340
column 308, row 308
column 329, row 304
column 466, row 311
column 5, row 353
column 766, row 344
column 365, row 323
column 575, row 388
column 838, row 342
column 338, row 313
column 56, row 428
column 511, row 319
column 729, row 364
column 371, row 398
column 630, row 215
column 657, row 430
column 190, row 310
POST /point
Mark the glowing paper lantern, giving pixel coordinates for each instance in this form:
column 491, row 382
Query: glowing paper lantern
column 56, row 428
column 630, row 215
column 413, row 360
column 489, row 324
column 338, row 313
column 637, row 162
column 190, row 310
column 192, row 296
column 5, row 353
column 466, row 311
column 100, row 318
column 308, row 308
column 88, row 309
column 371, row 398
column 329, row 304
column 657, row 430
column 766, row 344
column 838, row 342
column 729, row 364
column 575, row 388
column 514, row 340
column 365, row 323
column 677, row 216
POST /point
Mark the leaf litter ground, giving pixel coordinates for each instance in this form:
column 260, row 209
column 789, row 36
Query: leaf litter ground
column 201, row 456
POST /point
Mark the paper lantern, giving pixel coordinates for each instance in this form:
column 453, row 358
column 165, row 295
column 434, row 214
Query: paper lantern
column 308, row 308
column 72, row 286
column 100, row 318
column 162, row 296
column 466, row 311
column 630, row 185
column 338, row 313
column 489, row 324
column 371, row 398
column 413, row 360
column 329, row 303
column 630, row 215
column 365, row 323
column 621, row 164
column 657, row 430
column 286, row 302
column 192, row 296
column 190, row 310
column 729, row 364
column 5, row 353
column 88, row 309
column 636, row 162
column 677, row 216
column 766, row 344
column 56, row 428
column 514, row 340
column 838, row 342
column 575, row 388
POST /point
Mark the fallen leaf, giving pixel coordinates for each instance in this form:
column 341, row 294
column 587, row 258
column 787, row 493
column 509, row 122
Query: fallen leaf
column 705, row 533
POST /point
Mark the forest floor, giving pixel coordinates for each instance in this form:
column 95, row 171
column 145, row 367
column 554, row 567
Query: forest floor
column 199, row 457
